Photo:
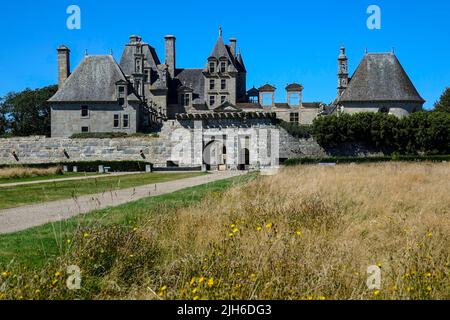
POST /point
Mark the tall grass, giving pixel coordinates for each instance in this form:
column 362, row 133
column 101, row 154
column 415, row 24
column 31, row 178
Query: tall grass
column 24, row 172
column 309, row 232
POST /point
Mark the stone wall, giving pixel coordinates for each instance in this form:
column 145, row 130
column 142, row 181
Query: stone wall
column 180, row 142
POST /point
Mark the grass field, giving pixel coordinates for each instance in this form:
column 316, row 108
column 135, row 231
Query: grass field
column 309, row 232
column 11, row 197
column 47, row 177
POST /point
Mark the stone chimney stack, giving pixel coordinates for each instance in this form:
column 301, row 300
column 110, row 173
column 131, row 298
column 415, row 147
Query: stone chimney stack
column 171, row 55
column 342, row 72
column 233, row 42
column 63, row 64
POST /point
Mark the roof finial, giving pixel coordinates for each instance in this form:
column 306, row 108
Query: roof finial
column 220, row 31
column 110, row 51
column 393, row 50
column 86, row 52
column 367, row 51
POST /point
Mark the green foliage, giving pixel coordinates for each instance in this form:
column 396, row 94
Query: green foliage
column 394, row 157
column 295, row 129
column 26, row 113
column 92, row 166
column 422, row 132
column 443, row 105
column 111, row 135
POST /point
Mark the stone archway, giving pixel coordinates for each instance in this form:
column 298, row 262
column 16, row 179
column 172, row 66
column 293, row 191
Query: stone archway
column 214, row 154
column 244, row 159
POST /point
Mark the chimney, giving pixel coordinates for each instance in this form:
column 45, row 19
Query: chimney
column 63, row 65
column 233, row 46
column 170, row 55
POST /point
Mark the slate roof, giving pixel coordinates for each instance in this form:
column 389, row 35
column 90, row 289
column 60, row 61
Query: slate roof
column 127, row 61
column 94, row 80
column 192, row 78
column 224, row 51
column 380, row 77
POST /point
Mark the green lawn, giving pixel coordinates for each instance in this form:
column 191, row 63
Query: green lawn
column 49, row 177
column 34, row 247
column 11, row 197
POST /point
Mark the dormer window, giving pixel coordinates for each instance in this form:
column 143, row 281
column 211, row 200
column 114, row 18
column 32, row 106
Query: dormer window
column 121, row 90
column 223, row 66
column 212, row 67
column 84, row 111
column 147, row 75
column 212, row 84
column 186, row 100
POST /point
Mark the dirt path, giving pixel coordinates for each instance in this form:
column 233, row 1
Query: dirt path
column 22, row 218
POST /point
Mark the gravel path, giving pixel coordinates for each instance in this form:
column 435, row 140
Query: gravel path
column 26, row 183
column 22, row 218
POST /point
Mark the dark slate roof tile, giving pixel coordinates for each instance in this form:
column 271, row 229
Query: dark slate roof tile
column 380, row 77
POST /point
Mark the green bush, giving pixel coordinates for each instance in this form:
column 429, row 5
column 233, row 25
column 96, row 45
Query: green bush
column 92, row 166
column 295, row 129
column 422, row 132
column 393, row 157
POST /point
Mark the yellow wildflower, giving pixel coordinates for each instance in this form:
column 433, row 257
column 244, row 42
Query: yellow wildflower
column 194, row 290
column 376, row 292
column 379, row 265
column 310, row 297
column 231, row 234
column 235, row 230
column 69, row 241
column 428, row 275
column 258, row 228
column 322, row 298
column 201, row 280
column 429, row 288
column 164, row 288
column 196, row 298
column 298, row 233
column 430, row 234
column 210, row 282
column 409, row 289
column 192, row 281
column 86, row 235
column 37, row 291
column 269, row 225
column 57, row 274
column 233, row 226
column 5, row 274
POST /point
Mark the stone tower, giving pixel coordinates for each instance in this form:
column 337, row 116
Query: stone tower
column 63, row 64
column 342, row 72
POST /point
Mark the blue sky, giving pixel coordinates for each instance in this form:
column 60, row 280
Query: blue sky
column 281, row 41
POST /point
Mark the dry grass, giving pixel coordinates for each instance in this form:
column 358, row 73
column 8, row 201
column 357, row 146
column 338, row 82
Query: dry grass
column 307, row 233
column 23, row 172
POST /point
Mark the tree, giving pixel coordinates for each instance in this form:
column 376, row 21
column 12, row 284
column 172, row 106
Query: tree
column 443, row 105
column 28, row 112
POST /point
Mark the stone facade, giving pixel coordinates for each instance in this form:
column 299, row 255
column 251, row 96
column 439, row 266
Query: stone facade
column 186, row 143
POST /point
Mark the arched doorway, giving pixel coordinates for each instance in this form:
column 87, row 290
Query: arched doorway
column 244, row 159
column 214, row 154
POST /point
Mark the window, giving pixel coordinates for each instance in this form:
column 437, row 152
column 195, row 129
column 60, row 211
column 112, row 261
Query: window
column 147, row 76
column 84, row 129
column 121, row 101
column 223, row 84
column 254, row 99
column 212, row 100
column 223, row 99
column 223, row 66
column 116, row 121
column 121, row 89
column 84, row 111
column 294, row 99
column 212, row 67
column 294, row 117
column 212, row 84
column 138, row 65
column 186, row 100
column 126, row 121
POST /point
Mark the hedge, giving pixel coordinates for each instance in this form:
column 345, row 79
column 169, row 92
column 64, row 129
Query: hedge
column 422, row 132
column 91, row 166
column 395, row 157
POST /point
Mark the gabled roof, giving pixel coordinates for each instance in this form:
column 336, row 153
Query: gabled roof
column 192, row 78
column 94, row 80
column 223, row 51
column 294, row 87
column 267, row 88
column 380, row 77
column 227, row 107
